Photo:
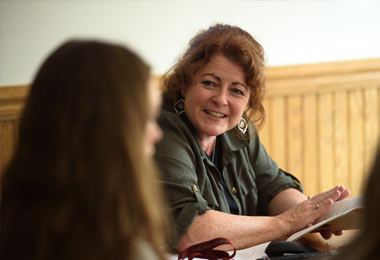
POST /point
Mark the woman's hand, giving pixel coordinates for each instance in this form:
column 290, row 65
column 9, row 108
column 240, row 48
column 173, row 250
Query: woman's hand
column 309, row 211
column 325, row 233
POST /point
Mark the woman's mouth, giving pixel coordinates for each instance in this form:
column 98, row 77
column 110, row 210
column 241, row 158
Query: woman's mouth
column 216, row 114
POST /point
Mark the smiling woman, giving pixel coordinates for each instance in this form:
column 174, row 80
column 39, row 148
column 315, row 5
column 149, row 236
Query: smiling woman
column 218, row 177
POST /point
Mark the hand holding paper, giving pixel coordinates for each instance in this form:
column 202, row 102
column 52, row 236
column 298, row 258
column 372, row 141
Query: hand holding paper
column 343, row 215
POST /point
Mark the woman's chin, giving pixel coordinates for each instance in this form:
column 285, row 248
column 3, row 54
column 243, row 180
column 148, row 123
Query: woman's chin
column 213, row 132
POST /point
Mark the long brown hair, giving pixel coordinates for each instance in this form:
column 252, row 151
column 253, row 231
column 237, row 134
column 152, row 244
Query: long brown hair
column 235, row 44
column 80, row 185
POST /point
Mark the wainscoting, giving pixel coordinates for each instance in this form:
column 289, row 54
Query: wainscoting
column 12, row 100
column 322, row 121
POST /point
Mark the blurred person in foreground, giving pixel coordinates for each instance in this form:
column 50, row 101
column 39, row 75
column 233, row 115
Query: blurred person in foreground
column 80, row 184
column 365, row 244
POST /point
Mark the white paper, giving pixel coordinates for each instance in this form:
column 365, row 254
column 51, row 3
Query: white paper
column 337, row 210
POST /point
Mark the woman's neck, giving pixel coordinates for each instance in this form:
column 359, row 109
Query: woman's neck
column 208, row 144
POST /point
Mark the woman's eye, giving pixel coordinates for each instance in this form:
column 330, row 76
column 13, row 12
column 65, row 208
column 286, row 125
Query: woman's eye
column 238, row 91
column 208, row 83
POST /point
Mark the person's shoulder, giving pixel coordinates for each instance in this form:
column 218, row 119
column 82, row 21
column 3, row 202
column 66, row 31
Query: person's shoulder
column 169, row 121
column 168, row 115
column 238, row 140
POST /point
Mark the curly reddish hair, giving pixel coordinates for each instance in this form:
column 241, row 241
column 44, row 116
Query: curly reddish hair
column 235, row 44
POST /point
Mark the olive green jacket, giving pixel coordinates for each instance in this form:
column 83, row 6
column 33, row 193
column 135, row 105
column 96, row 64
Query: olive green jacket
column 193, row 184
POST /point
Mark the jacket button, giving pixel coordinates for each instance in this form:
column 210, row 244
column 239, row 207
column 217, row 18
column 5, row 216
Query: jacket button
column 234, row 190
column 195, row 188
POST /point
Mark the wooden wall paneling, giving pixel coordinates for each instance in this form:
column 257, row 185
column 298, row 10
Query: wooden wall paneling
column 326, row 145
column 7, row 142
column 311, row 180
column 340, row 110
column 324, row 69
column 12, row 101
column 277, row 131
column 294, row 136
column 303, row 117
column 17, row 126
column 356, row 140
column 264, row 132
column 298, row 84
column 371, row 130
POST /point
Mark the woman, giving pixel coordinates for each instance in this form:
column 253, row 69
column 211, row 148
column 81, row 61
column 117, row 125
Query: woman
column 218, row 177
column 80, row 183
column 366, row 243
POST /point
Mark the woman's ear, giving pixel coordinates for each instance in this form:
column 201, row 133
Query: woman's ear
column 183, row 90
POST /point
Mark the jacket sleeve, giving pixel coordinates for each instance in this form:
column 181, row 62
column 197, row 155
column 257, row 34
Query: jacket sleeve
column 176, row 159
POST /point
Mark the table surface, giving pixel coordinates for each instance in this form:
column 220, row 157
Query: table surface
column 335, row 242
column 313, row 239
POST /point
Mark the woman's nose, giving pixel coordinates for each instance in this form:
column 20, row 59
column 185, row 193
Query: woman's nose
column 221, row 97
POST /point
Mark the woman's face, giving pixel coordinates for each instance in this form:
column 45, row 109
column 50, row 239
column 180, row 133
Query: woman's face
column 153, row 131
column 216, row 100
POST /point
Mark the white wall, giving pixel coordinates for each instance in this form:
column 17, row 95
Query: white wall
column 292, row 32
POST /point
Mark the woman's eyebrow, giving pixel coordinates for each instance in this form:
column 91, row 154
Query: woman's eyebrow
column 219, row 79
column 212, row 75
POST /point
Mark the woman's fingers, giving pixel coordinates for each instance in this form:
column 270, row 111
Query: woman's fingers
column 344, row 193
column 324, row 201
column 336, row 193
column 326, row 234
column 309, row 211
column 306, row 213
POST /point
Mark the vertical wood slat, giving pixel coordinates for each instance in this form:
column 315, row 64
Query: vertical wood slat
column 356, row 140
column 310, row 169
column 294, row 136
column 340, row 110
column 277, row 122
column 326, row 145
column 371, row 129
column 264, row 132
column 7, row 142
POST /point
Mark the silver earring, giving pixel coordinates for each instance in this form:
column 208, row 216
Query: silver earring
column 243, row 126
column 179, row 106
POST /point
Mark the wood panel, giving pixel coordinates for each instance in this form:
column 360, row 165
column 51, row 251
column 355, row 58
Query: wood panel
column 311, row 154
column 12, row 100
column 277, row 121
column 322, row 124
column 371, row 118
column 336, row 108
column 326, row 142
column 340, row 136
column 7, row 141
column 356, row 140
column 294, row 136
column 265, row 131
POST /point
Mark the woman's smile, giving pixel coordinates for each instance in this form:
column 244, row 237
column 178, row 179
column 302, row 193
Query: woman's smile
column 215, row 114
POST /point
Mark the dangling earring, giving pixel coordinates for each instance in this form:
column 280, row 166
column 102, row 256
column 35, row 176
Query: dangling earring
column 179, row 106
column 243, row 126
